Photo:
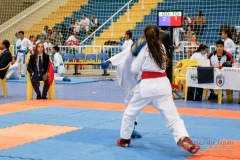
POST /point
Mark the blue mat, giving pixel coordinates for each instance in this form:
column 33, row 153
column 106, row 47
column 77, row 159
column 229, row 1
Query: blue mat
column 74, row 80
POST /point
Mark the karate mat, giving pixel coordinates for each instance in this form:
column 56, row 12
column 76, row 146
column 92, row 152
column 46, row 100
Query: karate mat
column 84, row 124
column 74, row 80
column 83, row 130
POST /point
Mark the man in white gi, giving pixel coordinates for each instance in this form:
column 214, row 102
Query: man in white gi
column 58, row 66
column 24, row 45
column 13, row 71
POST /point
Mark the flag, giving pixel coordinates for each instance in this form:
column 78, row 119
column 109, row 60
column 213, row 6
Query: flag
column 35, row 77
column 50, row 72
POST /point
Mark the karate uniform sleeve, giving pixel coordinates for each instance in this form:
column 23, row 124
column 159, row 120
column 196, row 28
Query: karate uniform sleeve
column 138, row 62
column 56, row 61
column 193, row 56
column 15, row 66
column 120, row 57
column 18, row 43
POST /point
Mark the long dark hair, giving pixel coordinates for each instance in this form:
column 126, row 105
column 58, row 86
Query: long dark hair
column 201, row 47
column 156, row 50
column 36, row 51
column 228, row 32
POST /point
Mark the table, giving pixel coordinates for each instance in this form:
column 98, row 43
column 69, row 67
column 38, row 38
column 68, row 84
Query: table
column 76, row 64
column 225, row 78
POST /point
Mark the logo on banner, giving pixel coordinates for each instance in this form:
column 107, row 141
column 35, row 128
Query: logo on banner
column 220, row 80
column 194, row 77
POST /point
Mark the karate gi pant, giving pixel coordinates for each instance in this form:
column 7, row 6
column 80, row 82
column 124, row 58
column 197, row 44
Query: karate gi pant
column 164, row 104
column 21, row 59
column 59, row 76
column 13, row 74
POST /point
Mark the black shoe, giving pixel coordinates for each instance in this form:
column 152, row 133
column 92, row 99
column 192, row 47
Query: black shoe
column 44, row 97
column 38, row 97
column 212, row 97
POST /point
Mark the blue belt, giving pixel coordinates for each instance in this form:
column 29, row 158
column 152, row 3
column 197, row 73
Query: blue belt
column 61, row 64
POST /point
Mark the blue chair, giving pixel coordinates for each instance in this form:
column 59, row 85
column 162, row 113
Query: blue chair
column 90, row 57
column 70, row 57
column 65, row 57
column 102, row 56
column 79, row 56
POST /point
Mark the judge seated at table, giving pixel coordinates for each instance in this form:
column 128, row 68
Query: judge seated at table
column 218, row 58
column 200, row 54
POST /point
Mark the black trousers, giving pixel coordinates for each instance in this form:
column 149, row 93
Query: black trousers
column 196, row 96
column 45, row 87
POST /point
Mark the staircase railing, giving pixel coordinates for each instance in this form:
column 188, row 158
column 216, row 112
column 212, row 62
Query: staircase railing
column 110, row 19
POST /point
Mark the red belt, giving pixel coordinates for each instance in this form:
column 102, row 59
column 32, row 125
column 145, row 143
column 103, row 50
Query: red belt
column 147, row 75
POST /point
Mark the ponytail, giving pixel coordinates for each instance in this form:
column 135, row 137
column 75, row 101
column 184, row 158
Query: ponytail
column 156, row 50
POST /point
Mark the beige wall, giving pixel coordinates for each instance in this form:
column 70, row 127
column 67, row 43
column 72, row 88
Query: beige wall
column 10, row 8
column 28, row 21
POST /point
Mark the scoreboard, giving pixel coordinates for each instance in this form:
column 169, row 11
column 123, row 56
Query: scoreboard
column 170, row 18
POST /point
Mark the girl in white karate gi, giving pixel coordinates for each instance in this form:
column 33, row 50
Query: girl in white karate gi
column 154, row 89
column 126, row 79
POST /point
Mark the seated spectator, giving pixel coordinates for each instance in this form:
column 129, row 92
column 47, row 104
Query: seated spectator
column 72, row 26
column 188, row 34
column 84, row 24
column 56, row 37
column 13, row 71
column 48, row 46
column 186, row 21
column 127, row 40
column 195, row 43
column 44, row 34
column 5, row 57
column 38, row 39
column 200, row 54
column 199, row 23
column 94, row 23
column 73, row 40
column 59, row 69
column 49, row 33
column 229, row 45
column 76, row 26
column 32, row 39
column 217, row 58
